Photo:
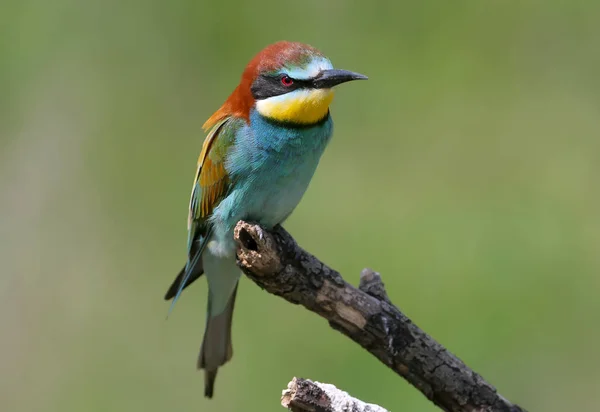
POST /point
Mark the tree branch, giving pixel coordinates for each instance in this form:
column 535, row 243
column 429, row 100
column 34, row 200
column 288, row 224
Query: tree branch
column 274, row 261
column 303, row 395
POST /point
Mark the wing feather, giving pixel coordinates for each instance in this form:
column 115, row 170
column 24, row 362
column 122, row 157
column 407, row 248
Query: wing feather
column 211, row 177
column 211, row 185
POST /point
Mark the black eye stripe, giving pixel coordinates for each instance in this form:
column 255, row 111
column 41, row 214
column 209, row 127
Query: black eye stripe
column 268, row 86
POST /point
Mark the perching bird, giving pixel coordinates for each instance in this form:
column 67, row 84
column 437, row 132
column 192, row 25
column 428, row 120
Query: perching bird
column 256, row 162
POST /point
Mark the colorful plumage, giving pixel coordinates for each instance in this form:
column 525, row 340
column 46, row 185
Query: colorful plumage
column 257, row 160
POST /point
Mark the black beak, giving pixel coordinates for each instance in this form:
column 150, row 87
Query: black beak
column 333, row 77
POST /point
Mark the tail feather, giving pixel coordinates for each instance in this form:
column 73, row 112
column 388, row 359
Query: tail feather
column 216, row 347
column 209, row 382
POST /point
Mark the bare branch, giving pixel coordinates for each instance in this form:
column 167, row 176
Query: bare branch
column 303, row 395
column 274, row 261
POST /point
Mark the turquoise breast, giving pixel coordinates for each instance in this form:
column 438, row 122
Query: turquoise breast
column 283, row 162
column 270, row 166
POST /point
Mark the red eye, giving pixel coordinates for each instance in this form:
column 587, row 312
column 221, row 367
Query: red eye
column 286, row 81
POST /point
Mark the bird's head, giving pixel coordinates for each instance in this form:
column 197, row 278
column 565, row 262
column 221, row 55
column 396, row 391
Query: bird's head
column 286, row 82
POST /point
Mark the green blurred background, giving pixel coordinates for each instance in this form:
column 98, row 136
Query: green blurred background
column 465, row 171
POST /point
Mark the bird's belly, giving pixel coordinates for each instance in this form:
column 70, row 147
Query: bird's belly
column 268, row 199
column 276, row 196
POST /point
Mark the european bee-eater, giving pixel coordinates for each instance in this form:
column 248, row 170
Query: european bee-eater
column 256, row 162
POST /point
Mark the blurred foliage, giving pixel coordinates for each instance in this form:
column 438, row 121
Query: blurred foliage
column 465, row 171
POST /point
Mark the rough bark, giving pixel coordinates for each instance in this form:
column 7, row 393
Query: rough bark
column 274, row 261
column 303, row 395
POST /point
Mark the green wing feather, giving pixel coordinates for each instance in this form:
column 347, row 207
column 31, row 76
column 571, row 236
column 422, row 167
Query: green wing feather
column 211, row 185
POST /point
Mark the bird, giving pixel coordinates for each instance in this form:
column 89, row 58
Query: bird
column 261, row 150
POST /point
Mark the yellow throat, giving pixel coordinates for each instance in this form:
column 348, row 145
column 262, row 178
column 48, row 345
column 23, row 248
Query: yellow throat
column 303, row 106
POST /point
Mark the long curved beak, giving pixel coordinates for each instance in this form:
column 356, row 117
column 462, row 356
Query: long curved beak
column 333, row 77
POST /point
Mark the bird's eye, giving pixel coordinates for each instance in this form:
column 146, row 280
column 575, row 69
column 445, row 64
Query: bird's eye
column 286, row 81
